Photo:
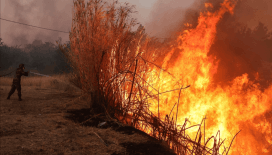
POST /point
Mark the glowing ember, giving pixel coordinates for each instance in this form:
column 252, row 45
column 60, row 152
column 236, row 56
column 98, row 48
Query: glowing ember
column 239, row 106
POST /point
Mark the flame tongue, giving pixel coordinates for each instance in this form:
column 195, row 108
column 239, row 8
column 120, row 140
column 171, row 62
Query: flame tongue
column 227, row 109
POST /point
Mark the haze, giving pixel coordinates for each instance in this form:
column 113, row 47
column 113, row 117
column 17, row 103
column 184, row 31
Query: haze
column 160, row 17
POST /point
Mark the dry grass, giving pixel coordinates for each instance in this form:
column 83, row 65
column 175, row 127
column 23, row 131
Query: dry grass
column 113, row 65
column 60, row 82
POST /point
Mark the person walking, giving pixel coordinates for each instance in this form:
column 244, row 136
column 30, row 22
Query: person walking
column 16, row 84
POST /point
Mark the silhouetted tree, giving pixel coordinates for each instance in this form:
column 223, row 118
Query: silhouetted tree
column 1, row 43
column 44, row 57
column 241, row 50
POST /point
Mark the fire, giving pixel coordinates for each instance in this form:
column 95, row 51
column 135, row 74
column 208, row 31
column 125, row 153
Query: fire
column 239, row 106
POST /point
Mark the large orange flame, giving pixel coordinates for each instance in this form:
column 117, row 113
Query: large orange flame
column 239, row 106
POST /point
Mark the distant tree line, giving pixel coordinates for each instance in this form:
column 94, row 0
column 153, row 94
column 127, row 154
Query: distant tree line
column 44, row 58
column 242, row 50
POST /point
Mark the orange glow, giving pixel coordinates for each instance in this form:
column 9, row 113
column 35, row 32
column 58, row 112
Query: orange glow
column 239, row 106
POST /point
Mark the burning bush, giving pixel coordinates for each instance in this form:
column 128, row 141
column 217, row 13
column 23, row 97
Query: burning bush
column 125, row 73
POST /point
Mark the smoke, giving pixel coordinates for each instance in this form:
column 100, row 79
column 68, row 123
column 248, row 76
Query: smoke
column 49, row 14
column 252, row 12
column 243, row 43
column 167, row 17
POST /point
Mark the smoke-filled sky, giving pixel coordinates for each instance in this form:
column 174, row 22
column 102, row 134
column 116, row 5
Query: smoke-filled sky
column 52, row 14
column 160, row 17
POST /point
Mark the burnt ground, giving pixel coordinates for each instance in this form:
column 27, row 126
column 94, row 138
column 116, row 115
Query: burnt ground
column 50, row 121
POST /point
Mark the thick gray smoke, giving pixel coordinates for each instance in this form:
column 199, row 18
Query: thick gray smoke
column 168, row 17
column 50, row 14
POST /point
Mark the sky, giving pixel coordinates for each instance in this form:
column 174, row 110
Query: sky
column 160, row 17
column 57, row 15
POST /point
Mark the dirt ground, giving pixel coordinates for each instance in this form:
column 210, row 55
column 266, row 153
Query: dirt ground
column 49, row 121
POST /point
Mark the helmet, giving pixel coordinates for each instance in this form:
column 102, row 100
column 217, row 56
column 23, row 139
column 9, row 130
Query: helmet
column 21, row 66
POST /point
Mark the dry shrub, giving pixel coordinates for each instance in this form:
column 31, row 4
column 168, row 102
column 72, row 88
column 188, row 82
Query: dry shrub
column 74, row 78
column 114, row 64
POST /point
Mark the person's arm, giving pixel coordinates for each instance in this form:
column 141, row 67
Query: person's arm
column 24, row 73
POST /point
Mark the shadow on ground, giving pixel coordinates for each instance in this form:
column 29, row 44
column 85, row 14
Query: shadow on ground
column 51, row 121
column 151, row 146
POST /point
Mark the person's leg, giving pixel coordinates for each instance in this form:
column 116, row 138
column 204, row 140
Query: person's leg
column 19, row 91
column 13, row 87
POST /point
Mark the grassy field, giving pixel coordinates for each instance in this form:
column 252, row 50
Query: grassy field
column 60, row 82
column 54, row 118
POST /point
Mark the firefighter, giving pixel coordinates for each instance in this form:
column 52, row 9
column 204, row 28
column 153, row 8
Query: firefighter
column 16, row 84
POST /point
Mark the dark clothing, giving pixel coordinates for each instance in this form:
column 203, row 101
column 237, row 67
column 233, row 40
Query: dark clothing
column 13, row 88
column 16, row 84
column 19, row 73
